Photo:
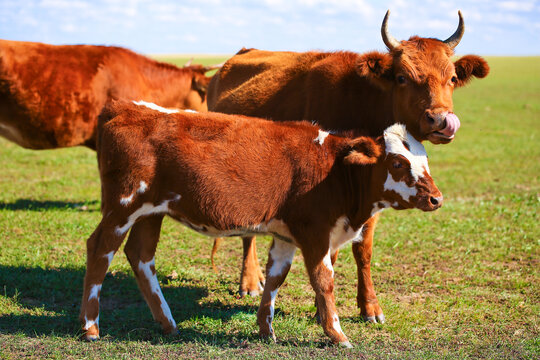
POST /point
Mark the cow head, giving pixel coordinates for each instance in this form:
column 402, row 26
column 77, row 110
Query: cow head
column 401, row 177
column 420, row 77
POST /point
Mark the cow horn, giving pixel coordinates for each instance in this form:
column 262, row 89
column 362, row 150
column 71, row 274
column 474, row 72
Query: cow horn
column 454, row 40
column 390, row 41
column 213, row 67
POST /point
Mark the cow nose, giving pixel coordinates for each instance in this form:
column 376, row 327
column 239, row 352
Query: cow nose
column 436, row 201
column 436, row 121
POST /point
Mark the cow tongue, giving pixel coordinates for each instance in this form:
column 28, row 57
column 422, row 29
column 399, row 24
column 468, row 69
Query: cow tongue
column 452, row 125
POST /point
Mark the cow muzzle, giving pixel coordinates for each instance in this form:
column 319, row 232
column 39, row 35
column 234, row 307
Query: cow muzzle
column 441, row 126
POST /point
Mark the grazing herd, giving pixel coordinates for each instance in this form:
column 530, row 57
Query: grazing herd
column 306, row 147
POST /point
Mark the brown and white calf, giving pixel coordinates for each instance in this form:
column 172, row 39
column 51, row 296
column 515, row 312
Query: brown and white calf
column 230, row 175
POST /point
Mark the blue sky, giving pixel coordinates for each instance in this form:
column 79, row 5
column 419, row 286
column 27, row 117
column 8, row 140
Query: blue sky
column 494, row 27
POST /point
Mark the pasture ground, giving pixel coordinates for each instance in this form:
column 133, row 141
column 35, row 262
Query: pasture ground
column 460, row 283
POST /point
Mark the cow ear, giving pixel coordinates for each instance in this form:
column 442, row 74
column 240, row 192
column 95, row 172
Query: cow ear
column 200, row 84
column 377, row 67
column 469, row 66
column 363, row 151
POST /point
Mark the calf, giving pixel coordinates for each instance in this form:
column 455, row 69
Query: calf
column 230, row 175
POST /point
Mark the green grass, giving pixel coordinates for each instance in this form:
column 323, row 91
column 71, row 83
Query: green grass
column 460, row 283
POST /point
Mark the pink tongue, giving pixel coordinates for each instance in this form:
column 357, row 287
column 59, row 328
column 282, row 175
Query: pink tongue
column 452, row 125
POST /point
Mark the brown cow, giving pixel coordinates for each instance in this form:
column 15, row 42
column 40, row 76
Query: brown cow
column 51, row 96
column 230, row 175
column 411, row 84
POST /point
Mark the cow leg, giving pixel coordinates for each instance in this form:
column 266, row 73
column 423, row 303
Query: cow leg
column 366, row 298
column 251, row 278
column 279, row 263
column 321, row 276
column 333, row 258
column 140, row 250
column 100, row 249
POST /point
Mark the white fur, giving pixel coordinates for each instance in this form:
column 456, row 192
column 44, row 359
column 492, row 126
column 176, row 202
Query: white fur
column 282, row 254
column 321, row 137
column 156, row 107
column 400, row 187
column 88, row 323
column 156, row 289
column 339, row 236
column 109, row 257
column 190, row 111
column 126, row 200
column 394, row 136
column 94, row 292
column 142, row 187
column 327, row 262
column 144, row 210
column 336, row 325
column 376, row 207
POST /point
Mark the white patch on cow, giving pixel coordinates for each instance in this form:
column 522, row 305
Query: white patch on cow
column 404, row 190
column 327, row 262
column 342, row 233
column 94, row 292
column 336, row 325
column 377, row 208
column 156, row 107
column 394, row 137
column 144, row 210
column 142, row 187
column 273, row 295
column 191, row 111
column 153, row 282
column 321, row 137
column 126, row 200
column 282, row 254
column 109, row 257
column 89, row 323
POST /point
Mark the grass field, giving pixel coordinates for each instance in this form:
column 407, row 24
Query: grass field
column 460, row 283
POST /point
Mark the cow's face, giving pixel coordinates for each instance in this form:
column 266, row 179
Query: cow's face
column 408, row 183
column 420, row 77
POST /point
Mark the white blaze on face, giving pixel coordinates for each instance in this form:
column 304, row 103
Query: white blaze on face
column 156, row 107
column 395, row 137
column 146, row 269
column 321, row 137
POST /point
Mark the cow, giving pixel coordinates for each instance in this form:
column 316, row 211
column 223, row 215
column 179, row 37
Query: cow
column 231, row 175
column 51, row 96
column 365, row 93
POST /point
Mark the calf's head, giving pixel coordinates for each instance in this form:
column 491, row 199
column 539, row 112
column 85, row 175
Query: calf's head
column 419, row 76
column 401, row 177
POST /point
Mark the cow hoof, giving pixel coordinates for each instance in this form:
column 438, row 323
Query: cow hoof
column 375, row 319
column 346, row 344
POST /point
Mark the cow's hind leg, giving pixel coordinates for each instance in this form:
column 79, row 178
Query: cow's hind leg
column 100, row 248
column 279, row 263
column 140, row 250
column 251, row 278
column 362, row 251
column 321, row 276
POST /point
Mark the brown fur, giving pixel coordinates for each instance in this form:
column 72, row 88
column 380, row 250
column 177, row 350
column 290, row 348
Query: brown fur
column 50, row 96
column 232, row 173
column 346, row 91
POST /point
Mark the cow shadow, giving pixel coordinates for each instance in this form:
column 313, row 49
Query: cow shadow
column 50, row 301
column 37, row 205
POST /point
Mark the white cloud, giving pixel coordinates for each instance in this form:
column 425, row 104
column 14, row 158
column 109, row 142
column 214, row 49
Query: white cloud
column 516, row 5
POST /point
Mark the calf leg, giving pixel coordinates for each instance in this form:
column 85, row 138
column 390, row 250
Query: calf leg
column 140, row 250
column 251, row 277
column 100, row 249
column 279, row 263
column 366, row 298
column 321, row 276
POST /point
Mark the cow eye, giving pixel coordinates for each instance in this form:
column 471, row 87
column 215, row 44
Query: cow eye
column 396, row 165
column 401, row 79
column 454, row 79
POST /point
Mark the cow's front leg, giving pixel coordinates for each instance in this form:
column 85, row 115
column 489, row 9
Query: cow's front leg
column 251, row 278
column 140, row 250
column 321, row 276
column 362, row 251
column 279, row 263
column 100, row 249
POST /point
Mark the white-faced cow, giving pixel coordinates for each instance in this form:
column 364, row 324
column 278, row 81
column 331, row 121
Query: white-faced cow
column 51, row 96
column 230, row 175
column 411, row 84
